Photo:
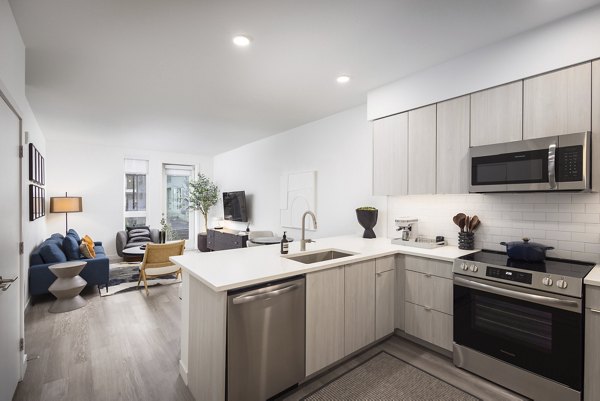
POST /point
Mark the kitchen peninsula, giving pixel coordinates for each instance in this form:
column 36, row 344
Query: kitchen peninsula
column 370, row 273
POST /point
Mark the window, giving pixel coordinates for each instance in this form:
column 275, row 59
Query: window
column 177, row 214
column 135, row 192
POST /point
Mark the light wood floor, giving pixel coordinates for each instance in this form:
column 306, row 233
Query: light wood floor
column 126, row 347
column 121, row 347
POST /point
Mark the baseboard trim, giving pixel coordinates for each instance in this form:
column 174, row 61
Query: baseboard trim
column 423, row 343
column 183, row 372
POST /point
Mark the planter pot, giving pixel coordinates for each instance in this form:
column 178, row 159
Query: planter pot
column 367, row 219
column 203, row 242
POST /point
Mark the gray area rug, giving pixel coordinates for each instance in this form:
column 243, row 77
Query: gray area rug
column 123, row 277
column 385, row 377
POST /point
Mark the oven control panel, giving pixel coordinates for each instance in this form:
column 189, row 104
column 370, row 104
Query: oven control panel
column 510, row 275
column 525, row 278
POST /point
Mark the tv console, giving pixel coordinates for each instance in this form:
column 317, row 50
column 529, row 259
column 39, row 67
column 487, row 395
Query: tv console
column 225, row 238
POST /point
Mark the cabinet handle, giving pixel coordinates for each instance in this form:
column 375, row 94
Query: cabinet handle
column 427, row 308
column 378, row 274
column 595, row 310
column 427, row 275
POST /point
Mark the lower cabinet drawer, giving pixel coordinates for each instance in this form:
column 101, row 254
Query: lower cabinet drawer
column 429, row 291
column 428, row 325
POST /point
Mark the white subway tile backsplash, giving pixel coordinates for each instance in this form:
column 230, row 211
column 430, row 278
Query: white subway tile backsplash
column 592, row 208
column 559, row 235
column 586, row 237
column 570, row 222
column 571, row 246
column 571, row 207
column 546, row 207
column 535, row 216
column 573, row 227
column 586, row 218
column 562, row 217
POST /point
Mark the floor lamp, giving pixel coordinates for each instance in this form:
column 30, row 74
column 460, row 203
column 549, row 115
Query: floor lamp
column 66, row 204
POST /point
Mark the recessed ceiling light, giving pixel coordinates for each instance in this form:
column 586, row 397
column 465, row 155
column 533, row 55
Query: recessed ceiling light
column 241, row 40
column 342, row 79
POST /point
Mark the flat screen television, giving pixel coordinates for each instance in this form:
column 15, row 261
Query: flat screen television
column 234, row 206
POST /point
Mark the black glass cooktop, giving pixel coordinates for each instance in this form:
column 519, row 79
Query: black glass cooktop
column 559, row 267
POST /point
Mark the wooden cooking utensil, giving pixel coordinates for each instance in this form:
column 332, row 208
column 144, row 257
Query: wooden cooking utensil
column 459, row 219
column 467, row 221
column 474, row 223
column 461, row 223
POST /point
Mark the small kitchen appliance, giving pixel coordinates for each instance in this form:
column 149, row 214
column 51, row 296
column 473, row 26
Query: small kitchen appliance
column 556, row 163
column 520, row 323
column 407, row 227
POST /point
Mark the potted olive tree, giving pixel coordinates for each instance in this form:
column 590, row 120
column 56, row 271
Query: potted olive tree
column 203, row 194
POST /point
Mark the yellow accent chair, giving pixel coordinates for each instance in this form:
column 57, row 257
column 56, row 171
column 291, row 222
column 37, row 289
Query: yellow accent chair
column 156, row 261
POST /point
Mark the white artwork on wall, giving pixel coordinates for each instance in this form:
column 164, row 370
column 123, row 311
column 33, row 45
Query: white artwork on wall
column 298, row 194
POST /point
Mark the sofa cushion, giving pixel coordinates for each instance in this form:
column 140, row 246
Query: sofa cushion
column 58, row 236
column 147, row 228
column 85, row 251
column 137, row 240
column 71, row 248
column 89, row 243
column 75, row 235
column 51, row 253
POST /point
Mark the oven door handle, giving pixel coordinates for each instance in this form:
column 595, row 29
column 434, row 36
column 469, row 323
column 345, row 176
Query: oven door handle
column 538, row 299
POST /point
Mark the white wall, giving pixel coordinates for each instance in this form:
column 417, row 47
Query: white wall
column 568, row 222
column 12, row 85
column 565, row 42
column 339, row 148
column 96, row 173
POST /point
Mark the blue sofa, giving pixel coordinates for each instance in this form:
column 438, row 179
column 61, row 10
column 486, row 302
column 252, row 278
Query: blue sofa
column 54, row 250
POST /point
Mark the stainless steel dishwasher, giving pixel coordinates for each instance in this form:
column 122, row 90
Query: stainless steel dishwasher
column 265, row 339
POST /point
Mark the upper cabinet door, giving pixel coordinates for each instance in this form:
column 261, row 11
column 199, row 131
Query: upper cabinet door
column 596, row 125
column 390, row 161
column 558, row 103
column 497, row 115
column 453, row 146
column 421, row 150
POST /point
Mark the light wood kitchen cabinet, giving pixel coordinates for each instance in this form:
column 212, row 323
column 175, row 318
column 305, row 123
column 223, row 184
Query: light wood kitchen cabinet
column 422, row 150
column 591, row 390
column 429, row 325
column 497, row 114
column 453, row 139
column 429, row 266
column 596, row 125
column 558, row 102
column 400, row 279
column 390, row 155
column 428, row 305
column 384, row 303
column 429, row 291
column 359, row 311
column 324, row 318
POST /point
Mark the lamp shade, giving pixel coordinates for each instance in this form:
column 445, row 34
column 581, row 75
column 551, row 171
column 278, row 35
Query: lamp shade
column 66, row 204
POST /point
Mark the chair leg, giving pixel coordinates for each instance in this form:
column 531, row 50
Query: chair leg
column 146, row 284
column 107, row 288
column 140, row 278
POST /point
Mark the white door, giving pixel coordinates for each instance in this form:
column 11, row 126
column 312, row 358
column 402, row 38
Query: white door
column 10, row 236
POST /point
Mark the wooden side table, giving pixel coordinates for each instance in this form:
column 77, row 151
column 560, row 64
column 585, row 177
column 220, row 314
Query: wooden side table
column 67, row 286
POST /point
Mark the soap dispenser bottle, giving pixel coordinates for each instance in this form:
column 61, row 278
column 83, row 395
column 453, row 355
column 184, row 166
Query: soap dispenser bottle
column 284, row 244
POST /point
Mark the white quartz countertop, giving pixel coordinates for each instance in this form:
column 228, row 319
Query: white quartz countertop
column 236, row 268
column 593, row 277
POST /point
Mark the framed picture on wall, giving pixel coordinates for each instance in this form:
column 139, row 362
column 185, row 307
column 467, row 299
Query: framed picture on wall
column 37, row 202
column 37, row 173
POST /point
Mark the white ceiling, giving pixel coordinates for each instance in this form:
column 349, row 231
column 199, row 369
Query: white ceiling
column 163, row 74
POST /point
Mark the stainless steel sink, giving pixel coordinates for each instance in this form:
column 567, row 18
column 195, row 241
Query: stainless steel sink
column 322, row 256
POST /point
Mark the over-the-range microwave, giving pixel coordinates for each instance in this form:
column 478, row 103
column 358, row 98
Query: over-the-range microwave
column 558, row 163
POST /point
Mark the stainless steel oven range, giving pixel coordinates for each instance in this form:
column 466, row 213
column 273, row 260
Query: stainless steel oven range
column 520, row 324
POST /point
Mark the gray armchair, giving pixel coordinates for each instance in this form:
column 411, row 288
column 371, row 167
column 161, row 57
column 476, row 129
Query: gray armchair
column 135, row 236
